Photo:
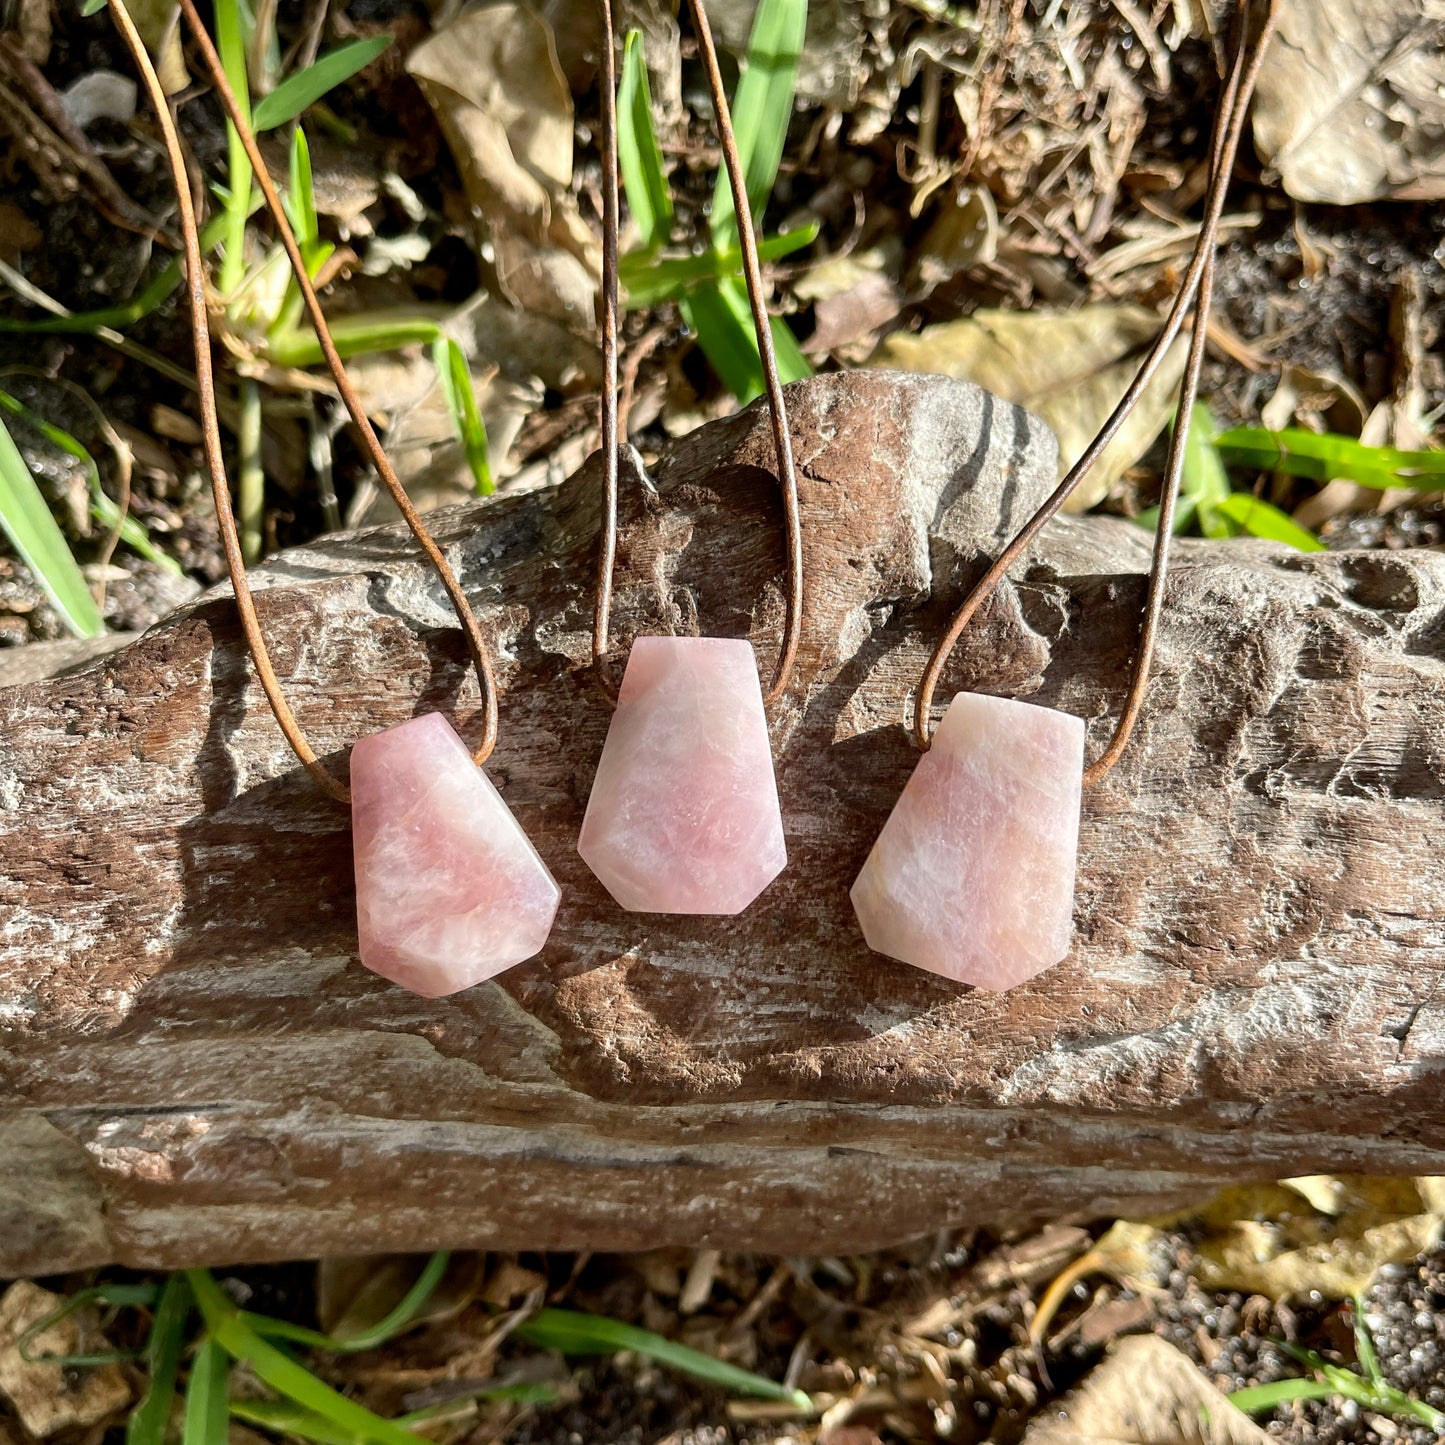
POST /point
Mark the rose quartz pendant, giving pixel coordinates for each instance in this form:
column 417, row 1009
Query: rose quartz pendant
column 973, row 874
column 449, row 891
column 684, row 816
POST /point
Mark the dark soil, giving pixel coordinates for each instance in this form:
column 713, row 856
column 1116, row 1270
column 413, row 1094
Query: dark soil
column 1232, row 1337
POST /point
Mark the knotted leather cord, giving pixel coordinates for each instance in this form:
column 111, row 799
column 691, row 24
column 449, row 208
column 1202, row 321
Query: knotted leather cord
column 753, row 279
column 210, row 425
column 1198, row 286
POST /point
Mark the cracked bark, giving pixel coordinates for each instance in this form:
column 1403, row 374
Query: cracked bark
column 194, row 1068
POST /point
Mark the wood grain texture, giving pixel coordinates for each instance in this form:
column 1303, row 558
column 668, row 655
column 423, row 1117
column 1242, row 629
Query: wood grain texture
column 194, row 1068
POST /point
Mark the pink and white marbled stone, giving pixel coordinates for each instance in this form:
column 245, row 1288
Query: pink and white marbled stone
column 449, row 890
column 684, row 816
column 973, row 874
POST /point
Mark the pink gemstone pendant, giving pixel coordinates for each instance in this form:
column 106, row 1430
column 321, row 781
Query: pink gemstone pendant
column 449, row 890
column 973, row 874
column 684, row 815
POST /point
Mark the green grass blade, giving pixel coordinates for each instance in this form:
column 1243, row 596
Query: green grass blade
column 147, row 1423
column 402, row 1314
column 307, row 86
column 456, row 380
column 105, row 511
column 1257, row 1399
column 1323, row 457
column 356, row 335
column 573, row 1333
column 1377, row 1393
column 107, row 1294
column 720, row 315
column 301, row 202
column 282, row 1417
column 726, row 340
column 1184, row 510
column 762, row 108
column 278, row 1370
column 639, row 156
column 406, row 1309
column 1364, row 1345
column 1396, row 1402
column 792, row 364
column 132, row 533
column 250, row 473
column 1204, row 480
column 207, row 1391
column 149, row 298
column 26, row 520
column 1374, row 1393
column 648, row 278
column 231, row 43
column 1380, row 1396
column 1262, row 519
column 92, row 7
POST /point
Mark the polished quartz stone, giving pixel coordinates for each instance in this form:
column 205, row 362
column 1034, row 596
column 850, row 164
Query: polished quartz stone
column 683, row 816
column 449, row 890
column 973, row 874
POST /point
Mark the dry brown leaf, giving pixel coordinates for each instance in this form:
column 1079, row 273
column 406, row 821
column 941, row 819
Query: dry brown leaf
column 159, row 23
column 50, row 1398
column 100, row 95
column 964, row 233
column 1272, row 1240
column 850, row 322
column 1147, row 1392
column 1068, row 367
column 1277, row 1240
column 32, row 19
column 355, row 1294
column 1137, row 1255
column 854, row 297
column 510, row 1284
column 511, row 356
column 1351, row 100
column 17, row 233
column 493, row 79
column 403, row 389
column 1321, row 400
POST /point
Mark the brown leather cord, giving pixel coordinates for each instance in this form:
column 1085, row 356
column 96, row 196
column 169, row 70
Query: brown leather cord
column 1197, row 287
column 471, row 629
column 753, row 279
column 612, row 418
column 210, row 425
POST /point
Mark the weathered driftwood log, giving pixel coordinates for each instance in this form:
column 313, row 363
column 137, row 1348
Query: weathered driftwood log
column 194, row 1067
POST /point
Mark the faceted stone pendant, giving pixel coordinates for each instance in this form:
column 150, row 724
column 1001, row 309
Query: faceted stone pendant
column 684, row 816
column 449, row 890
column 973, row 874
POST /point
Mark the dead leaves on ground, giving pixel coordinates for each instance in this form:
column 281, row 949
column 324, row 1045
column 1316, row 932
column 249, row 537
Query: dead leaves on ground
column 1350, row 106
column 493, row 79
column 878, row 1360
column 1145, row 1393
column 51, row 1398
column 1319, row 1234
column 1070, row 368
